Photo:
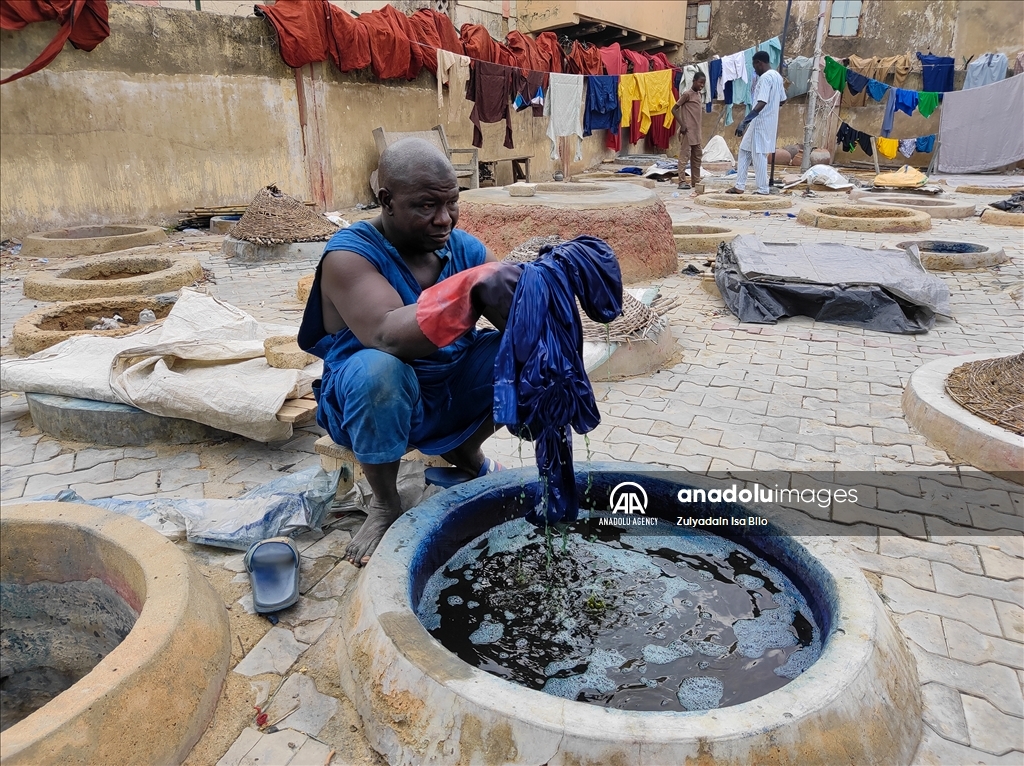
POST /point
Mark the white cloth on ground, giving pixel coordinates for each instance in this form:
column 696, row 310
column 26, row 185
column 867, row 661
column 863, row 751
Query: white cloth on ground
column 717, row 151
column 205, row 362
column 564, row 108
column 453, row 71
column 980, row 128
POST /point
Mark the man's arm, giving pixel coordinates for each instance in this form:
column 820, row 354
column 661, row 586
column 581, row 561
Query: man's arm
column 371, row 307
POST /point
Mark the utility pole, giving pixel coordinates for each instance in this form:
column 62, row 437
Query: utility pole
column 812, row 94
column 782, row 53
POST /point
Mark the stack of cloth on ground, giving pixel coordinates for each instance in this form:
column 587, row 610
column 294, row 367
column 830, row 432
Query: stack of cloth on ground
column 1013, row 205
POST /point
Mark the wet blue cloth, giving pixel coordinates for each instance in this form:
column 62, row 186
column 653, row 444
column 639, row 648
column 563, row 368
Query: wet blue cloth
column 540, row 384
column 936, row 72
column 714, row 75
column 855, row 81
column 925, row 143
column 904, row 100
column 602, row 110
column 380, row 406
column 876, row 89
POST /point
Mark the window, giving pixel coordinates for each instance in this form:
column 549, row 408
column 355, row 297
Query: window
column 845, row 18
column 698, row 20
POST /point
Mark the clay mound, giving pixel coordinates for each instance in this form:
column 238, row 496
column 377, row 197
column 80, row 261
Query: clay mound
column 274, row 218
column 992, row 389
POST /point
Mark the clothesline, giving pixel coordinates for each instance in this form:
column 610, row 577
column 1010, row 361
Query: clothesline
column 849, row 138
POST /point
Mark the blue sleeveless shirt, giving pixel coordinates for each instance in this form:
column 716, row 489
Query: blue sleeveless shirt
column 463, row 251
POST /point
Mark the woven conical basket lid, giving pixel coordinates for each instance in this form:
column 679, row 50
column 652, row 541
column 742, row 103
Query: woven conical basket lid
column 274, row 218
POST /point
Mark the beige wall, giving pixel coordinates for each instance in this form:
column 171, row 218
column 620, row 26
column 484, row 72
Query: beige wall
column 660, row 19
column 180, row 109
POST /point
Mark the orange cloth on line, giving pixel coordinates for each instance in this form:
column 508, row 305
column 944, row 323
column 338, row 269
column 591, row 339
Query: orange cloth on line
column 302, row 30
column 348, row 44
column 392, row 55
column 83, row 22
column 547, row 44
column 435, row 31
column 887, row 147
column 479, row 44
column 525, row 51
column 900, row 66
column 583, row 60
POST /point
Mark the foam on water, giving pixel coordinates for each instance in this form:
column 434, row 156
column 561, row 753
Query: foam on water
column 687, row 621
column 700, row 693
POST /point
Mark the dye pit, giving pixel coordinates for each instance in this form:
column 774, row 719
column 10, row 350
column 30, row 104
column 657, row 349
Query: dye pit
column 677, row 621
column 53, row 635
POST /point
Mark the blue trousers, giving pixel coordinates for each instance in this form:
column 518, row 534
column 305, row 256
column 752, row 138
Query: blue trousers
column 381, row 407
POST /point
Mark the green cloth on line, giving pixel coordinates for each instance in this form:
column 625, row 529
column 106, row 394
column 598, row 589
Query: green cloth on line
column 835, row 74
column 927, row 103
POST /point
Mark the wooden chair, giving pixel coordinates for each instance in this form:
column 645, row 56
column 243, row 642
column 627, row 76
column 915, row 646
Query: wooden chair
column 468, row 172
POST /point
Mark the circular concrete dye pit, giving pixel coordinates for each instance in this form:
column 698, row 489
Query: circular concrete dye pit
column 107, row 276
column 744, row 201
column 48, row 326
column 1002, row 217
column 89, row 240
column 602, row 644
column 939, row 255
column 865, row 218
column 222, row 224
column 114, row 647
column 631, row 219
column 936, row 208
column 701, row 238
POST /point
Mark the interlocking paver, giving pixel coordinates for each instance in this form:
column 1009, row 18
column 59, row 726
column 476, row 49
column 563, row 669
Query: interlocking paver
column 904, row 599
column 925, row 630
column 967, row 644
column 996, row 683
column 944, row 712
column 990, row 730
column 953, row 582
column 274, row 653
column 1011, row 618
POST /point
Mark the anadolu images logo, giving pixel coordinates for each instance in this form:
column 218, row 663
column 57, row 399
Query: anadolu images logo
column 628, row 497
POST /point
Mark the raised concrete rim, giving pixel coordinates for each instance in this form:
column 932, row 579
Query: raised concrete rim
column 222, row 224
column 614, row 195
column 965, row 436
column 28, row 337
column 703, row 242
column 745, row 201
column 936, row 208
column 864, row 674
column 178, row 271
column 1002, row 218
column 992, row 255
column 42, row 244
column 817, row 217
column 992, row 191
column 151, row 698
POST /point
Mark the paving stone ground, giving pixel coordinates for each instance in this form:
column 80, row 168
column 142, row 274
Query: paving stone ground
column 795, row 396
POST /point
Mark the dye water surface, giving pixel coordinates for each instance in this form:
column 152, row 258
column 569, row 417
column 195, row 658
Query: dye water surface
column 682, row 621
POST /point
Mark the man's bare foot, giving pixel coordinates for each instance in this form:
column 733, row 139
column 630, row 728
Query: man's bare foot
column 378, row 518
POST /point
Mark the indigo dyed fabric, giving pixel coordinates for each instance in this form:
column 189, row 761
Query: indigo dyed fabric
column 540, row 385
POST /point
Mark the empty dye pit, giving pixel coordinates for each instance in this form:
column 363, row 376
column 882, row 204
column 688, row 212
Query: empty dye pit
column 471, row 637
column 678, row 621
column 52, row 635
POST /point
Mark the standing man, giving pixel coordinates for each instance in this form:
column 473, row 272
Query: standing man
column 687, row 111
column 759, row 142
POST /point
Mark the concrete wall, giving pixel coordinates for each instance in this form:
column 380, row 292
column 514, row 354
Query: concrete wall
column 178, row 109
column 661, row 19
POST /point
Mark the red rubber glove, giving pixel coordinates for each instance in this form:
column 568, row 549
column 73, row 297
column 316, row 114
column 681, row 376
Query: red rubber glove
column 451, row 308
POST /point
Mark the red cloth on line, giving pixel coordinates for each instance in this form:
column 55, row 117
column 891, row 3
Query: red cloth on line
column 479, row 44
column 348, row 42
column 490, row 90
column 83, row 22
column 392, row 54
column 302, row 30
column 525, row 52
column 658, row 136
column 435, row 31
column 611, row 58
column 551, row 52
column 583, row 60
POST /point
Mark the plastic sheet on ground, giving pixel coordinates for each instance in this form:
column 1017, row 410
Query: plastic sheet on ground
column 883, row 290
column 822, row 175
column 289, row 505
column 205, row 362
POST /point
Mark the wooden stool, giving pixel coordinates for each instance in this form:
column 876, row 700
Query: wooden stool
column 333, row 456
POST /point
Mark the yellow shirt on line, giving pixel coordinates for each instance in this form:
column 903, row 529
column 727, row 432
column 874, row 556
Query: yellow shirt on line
column 654, row 92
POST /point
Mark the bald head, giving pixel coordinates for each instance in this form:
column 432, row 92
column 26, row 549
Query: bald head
column 411, row 162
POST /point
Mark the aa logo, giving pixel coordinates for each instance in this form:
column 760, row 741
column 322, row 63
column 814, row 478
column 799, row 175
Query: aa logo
column 628, row 497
